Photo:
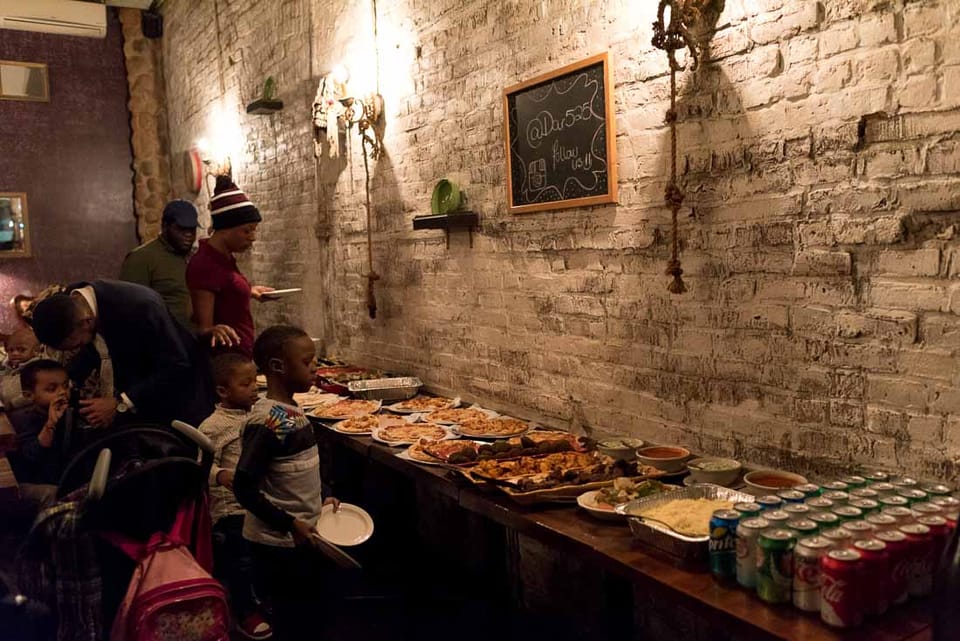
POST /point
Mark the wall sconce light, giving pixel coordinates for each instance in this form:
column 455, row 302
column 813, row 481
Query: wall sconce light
column 213, row 165
column 335, row 107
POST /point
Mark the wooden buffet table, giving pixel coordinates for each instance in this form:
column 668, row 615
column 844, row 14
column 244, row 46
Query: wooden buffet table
column 610, row 547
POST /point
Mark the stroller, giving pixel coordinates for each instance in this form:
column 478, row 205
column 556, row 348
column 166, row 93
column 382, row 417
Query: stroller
column 125, row 487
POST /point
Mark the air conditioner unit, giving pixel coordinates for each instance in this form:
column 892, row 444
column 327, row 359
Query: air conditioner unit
column 64, row 17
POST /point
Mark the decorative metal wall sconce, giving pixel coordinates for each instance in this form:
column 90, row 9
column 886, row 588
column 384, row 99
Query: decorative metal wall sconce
column 673, row 30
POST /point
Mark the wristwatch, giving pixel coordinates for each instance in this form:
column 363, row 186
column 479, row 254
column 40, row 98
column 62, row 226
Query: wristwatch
column 122, row 406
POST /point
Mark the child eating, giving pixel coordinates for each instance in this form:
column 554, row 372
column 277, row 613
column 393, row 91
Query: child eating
column 235, row 377
column 278, row 482
column 22, row 347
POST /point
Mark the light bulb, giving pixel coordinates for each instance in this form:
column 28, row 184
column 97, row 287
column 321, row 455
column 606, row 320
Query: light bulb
column 340, row 74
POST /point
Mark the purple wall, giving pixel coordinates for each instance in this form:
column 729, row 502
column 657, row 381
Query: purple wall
column 72, row 157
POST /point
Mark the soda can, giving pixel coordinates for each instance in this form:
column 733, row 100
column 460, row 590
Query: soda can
column 860, row 530
column 825, row 520
column 867, row 506
column 834, row 486
column 898, row 584
column 884, row 488
column 798, row 510
column 848, row 513
column 905, row 481
column 950, row 506
column 802, row 528
column 839, row 602
column 806, row 572
column 876, row 477
column 809, row 490
column 769, row 502
column 874, row 576
column 913, row 495
column 748, row 533
column 881, row 522
column 927, row 508
column 893, row 500
column 854, row 482
column 903, row 515
column 748, row 510
column 839, row 537
column 820, row 503
column 939, row 533
column 723, row 544
column 864, row 493
column 936, row 489
column 920, row 553
column 839, row 497
column 775, row 565
column 777, row 518
column 791, row 496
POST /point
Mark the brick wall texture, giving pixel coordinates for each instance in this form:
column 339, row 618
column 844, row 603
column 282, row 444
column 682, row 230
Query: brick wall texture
column 821, row 161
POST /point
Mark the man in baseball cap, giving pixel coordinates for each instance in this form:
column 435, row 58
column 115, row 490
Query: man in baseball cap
column 161, row 264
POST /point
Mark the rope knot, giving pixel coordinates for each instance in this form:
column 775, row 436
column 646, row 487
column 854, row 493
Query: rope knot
column 673, row 269
column 673, row 195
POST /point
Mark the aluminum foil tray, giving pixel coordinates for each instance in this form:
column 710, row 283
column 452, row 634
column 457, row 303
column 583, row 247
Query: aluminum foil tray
column 386, row 389
column 687, row 549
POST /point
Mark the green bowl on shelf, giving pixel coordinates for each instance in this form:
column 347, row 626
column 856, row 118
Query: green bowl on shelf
column 446, row 197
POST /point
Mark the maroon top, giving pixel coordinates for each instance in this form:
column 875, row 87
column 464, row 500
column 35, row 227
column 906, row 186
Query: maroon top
column 218, row 273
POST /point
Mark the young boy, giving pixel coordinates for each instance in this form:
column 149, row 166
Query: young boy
column 38, row 461
column 22, row 347
column 235, row 377
column 278, row 482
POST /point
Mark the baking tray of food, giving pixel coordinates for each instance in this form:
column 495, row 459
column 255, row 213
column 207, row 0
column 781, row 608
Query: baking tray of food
column 688, row 549
column 386, row 389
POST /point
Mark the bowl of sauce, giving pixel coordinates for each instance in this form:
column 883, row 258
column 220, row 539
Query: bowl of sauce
column 669, row 458
column 761, row 482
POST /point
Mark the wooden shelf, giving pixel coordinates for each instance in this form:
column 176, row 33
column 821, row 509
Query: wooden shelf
column 263, row 107
column 468, row 220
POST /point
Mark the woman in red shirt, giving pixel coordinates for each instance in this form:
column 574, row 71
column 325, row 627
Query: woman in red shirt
column 220, row 293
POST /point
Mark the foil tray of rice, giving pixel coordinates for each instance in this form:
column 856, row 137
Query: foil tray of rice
column 699, row 500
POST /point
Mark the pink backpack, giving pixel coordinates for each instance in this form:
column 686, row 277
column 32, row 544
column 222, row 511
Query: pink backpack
column 171, row 597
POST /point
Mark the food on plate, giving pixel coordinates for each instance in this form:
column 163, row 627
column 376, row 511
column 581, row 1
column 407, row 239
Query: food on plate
column 626, row 489
column 345, row 374
column 410, row 432
column 688, row 516
column 314, row 398
column 466, row 452
column 347, row 408
column 563, row 469
column 537, row 464
column 455, row 415
column 358, row 424
column 579, row 443
column 501, row 426
column 424, row 404
column 417, row 452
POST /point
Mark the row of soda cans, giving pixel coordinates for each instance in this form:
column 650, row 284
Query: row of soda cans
column 847, row 549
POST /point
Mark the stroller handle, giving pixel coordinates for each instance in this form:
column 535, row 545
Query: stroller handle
column 101, row 471
column 192, row 433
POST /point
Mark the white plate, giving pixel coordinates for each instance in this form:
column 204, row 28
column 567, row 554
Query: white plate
column 280, row 292
column 454, row 402
column 405, row 455
column 322, row 417
column 382, row 420
column 588, row 501
column 350, row 525
column 450, row 435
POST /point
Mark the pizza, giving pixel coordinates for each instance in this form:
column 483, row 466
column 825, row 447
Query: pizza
column 358, row 424
column 347, row 408
column 453, row 452
column 455, row 415
column 418, row 452
column 423, row 404
column 493, row 427
column 410, row 433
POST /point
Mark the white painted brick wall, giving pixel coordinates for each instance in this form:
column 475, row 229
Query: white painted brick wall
column 821, row 327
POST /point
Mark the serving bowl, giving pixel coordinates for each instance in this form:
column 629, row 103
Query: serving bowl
column 720, row 471
column 621, row 449
column 761, row 482
column 668, row 458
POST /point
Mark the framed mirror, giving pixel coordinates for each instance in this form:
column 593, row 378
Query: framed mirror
column 14, row 229
column 24, row 81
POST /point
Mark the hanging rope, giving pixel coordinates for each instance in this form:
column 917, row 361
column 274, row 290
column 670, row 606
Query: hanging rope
column 372, row 276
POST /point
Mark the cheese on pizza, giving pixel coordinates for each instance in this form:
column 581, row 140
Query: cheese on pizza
column 347, row 408
column 358, row 424
column 424, row 404
column 492, row 427
column 410, row 432
column 455, row 415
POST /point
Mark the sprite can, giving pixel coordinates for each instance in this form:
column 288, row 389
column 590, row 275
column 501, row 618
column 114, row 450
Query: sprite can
column 723, row 544
column 775, row 565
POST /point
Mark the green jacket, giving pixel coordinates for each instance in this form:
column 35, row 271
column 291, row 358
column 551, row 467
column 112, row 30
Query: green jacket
column 157, row 266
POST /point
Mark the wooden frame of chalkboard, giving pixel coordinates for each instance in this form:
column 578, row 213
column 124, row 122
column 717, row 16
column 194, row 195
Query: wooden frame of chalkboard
column 560, row 138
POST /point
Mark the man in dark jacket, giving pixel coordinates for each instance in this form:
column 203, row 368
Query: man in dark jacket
column 160, row 373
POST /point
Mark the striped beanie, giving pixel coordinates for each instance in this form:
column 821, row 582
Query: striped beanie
column 230, row 207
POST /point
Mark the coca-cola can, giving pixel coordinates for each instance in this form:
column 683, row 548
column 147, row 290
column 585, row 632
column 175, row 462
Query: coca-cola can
column 939, row 533
column 920, row 578
column 860, row 529
column 747, row 534
column 903, row 515
column 839, row 601
column 898, row 549
column 881, row 522
column 874, row 576
column 806, row 572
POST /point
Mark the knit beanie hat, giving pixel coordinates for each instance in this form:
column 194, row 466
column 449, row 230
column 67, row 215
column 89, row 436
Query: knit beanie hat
column 230, row 207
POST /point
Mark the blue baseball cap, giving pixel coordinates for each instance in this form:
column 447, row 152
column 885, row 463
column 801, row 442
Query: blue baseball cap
column 181, row 213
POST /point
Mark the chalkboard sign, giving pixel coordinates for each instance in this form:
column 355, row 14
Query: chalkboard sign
column 560, row 145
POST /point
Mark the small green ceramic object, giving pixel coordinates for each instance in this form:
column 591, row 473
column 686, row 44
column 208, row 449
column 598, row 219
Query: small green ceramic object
column 446, row 197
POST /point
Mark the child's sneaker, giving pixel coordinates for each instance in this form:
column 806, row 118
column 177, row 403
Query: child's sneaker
column 255, row 627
